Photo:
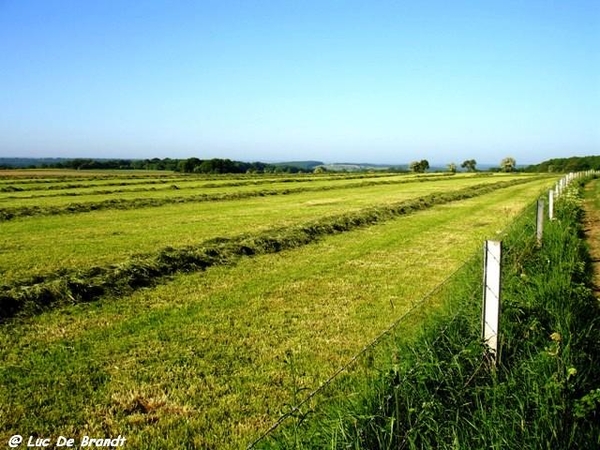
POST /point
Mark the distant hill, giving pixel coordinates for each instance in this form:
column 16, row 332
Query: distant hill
column 352, row 167
column 564, row 165
column 303, row 165
column 29, row 162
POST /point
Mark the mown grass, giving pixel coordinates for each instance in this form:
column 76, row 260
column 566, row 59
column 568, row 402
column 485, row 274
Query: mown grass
column 17, row 208
column 34, row 295
column 443, row 392
column 51, row 175
column 209, row 360
column 71, row 183
column 112, row 236
column 39, row 192
column 89, row 190
column 35, row 189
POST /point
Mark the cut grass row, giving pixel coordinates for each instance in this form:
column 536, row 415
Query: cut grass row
column 64, row 205
column 10, row 193
column 209, row 360
column 72, row 286
column 67, row 183
column 202, row 186
column 53, row 175
column 195, row 188
column 31, row 187
column 110, row 236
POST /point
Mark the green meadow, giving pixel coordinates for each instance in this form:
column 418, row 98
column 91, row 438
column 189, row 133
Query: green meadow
column 210, row 358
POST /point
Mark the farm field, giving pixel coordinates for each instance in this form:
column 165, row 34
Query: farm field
column 210, row 359
column 17, row 181
column 73, row 200
column 15, row 187
column 111, row 235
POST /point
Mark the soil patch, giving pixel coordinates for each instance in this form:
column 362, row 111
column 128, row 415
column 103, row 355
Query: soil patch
column 592, row 231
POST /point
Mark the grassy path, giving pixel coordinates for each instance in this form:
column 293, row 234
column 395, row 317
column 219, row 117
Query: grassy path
column 210, row 359
column 592, row 227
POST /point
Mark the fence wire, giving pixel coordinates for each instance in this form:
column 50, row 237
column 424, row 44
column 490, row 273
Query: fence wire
column 431, row 294
column 518, row 221
column 473, row 293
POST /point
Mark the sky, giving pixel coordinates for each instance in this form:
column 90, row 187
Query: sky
column 334, row 81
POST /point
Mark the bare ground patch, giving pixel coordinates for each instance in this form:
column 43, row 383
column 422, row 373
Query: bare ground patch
column 592, row 233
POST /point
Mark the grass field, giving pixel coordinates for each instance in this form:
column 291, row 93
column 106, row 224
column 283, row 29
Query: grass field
column 65, row 201
column 209, row 359
column 441, row 392
column 111, row 235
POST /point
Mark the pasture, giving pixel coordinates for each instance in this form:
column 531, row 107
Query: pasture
column 210, row 357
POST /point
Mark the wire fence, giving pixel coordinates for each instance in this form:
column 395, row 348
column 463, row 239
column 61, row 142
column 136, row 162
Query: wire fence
column 416, row 306
column 522, row 229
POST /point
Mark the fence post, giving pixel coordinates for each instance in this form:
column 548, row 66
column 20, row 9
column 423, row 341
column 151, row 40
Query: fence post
column 491, row 296
column 540, row 221
column 551, row 204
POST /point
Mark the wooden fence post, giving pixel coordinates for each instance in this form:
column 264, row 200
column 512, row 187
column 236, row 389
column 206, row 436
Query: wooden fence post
column 491, row 296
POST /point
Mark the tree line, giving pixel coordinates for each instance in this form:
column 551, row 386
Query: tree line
column 508, row 164
column 188, row 165
column 219, row 165
column 565, row 165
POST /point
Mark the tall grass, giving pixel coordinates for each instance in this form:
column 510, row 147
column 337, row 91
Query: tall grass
column 442, row 392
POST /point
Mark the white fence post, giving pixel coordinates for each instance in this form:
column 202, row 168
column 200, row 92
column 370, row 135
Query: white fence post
column 491, row 296
column 540, row 221
column 551, row 204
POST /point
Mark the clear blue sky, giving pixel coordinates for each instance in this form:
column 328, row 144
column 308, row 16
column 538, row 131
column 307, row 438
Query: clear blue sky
column 361, row 81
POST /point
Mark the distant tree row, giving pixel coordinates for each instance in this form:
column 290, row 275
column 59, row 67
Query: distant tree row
column 423, row 166
column 113, row 164
column 217, row 166
column 508, row 164
column 565, row 165
column 189, row 165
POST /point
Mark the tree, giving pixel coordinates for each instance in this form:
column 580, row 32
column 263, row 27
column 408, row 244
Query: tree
column 452, row 167
column 190, row 165
column 419, row 166
column 469, row 164
column 508, row 164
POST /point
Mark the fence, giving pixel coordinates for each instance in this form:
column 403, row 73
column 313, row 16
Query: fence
column 493, row 265
column 562, row 184
column 490, row 284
